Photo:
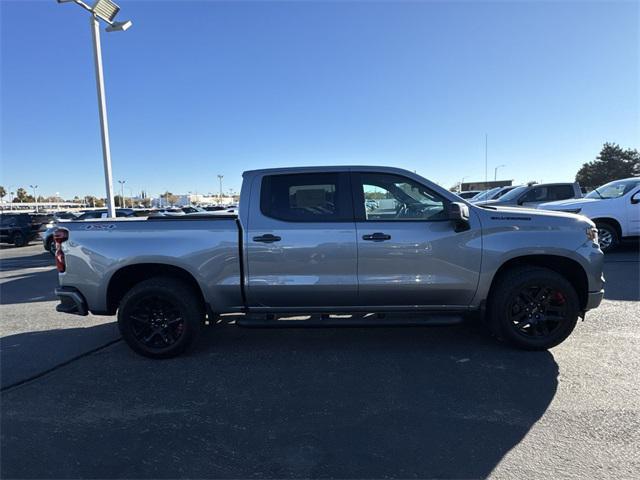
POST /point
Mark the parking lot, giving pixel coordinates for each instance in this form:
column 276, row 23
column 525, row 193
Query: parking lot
column 352, row 403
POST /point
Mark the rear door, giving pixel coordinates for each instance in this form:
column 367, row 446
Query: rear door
column 301, row 242
column 409, row 253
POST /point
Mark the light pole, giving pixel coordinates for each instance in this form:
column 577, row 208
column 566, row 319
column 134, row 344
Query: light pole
column 104, row 10
column 122, row 203
column 220, row 195
column 495, row 172
column 35, row 197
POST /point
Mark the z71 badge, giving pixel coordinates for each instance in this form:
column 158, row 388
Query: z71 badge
column 99, row 226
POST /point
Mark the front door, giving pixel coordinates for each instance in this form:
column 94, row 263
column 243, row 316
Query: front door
column 408, row 251
column 301, row 242
column 633, row 212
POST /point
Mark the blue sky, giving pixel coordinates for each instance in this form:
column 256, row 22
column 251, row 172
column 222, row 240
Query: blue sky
column 200, row 88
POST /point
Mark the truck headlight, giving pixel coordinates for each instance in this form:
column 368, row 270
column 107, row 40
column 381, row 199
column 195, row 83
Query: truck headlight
column 592, row 234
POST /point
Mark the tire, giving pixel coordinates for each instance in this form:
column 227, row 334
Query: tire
column 51, row 247
column 19, row 240
column 160, row 317
column 608, row 237
column 533, row 308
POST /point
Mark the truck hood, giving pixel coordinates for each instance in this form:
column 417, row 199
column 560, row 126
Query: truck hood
column 570, row 203
column 495, row 210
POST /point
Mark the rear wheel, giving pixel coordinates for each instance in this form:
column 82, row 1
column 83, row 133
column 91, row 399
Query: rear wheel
column 533, row 308
column 51, row 246
column 19, row 239
column 608, row 237
column 160, row 317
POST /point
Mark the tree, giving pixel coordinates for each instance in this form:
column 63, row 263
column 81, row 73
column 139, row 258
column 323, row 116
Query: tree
column 169, row 198
column 21, row 195
column 612, row 163
column 3, row 192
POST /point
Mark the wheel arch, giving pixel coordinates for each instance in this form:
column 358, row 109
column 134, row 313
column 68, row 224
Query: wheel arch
column 128, row 276
column 567, row 267
column 614, row 222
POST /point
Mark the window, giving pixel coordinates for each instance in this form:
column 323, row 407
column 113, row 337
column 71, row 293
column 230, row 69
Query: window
column 395, row 198
column 560, row 192
column 313, row 197
column 537, row 194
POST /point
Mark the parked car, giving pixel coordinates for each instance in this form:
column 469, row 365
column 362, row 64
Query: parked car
column 103, row 213
column 533, row 194
column 491, row 194
column 469, row 194
column 613, row 207
column 18, row 228
column 304, row 242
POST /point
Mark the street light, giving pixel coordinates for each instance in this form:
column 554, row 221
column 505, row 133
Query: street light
column 495, row 172
column 35, row 197
column 220, row 196
column 106, row 11
column 122, row 182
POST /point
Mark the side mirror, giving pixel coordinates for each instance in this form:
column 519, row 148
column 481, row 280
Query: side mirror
column 458, row 213
column 635, row 198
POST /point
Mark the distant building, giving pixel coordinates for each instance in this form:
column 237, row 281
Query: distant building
column 485, row 185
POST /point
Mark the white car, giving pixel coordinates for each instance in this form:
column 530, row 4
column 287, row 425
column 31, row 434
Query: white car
column 614, row 207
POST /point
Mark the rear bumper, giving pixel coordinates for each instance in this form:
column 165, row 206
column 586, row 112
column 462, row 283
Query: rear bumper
column 594, row 299
column 71, row 301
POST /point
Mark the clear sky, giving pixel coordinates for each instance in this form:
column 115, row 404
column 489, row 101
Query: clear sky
column 195, row 89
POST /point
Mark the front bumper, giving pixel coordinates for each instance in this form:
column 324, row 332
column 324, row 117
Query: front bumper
column 594, row 299
column 71, row 301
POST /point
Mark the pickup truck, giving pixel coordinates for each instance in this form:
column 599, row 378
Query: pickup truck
column 613, row 207
column 307, row 241
column 533, row 194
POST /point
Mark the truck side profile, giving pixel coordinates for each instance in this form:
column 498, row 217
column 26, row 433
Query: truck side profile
column 334, row 240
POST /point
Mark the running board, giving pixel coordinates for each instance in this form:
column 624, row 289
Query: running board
column 368, row 320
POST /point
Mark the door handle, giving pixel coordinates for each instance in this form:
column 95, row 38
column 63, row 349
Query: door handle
column 268, row 238
column 377, row 237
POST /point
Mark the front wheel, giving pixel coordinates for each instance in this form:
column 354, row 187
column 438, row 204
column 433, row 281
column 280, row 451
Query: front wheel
column 533, row 308
column 19, row 240
column 607, row 236
column 160, row 317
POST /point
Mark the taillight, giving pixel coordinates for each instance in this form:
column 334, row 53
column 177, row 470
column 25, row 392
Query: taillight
column 60, row 236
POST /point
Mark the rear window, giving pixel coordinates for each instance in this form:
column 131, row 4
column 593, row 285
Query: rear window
column 314, row 197
column 561, row 192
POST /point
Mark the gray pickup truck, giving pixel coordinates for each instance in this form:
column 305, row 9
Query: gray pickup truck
column 344, row 245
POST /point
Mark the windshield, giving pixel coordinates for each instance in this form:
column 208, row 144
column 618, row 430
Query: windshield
column 513, row 194
column 614, row 189
column 487, row 194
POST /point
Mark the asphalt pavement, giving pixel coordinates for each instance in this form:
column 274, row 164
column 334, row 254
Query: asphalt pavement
column 411, row 402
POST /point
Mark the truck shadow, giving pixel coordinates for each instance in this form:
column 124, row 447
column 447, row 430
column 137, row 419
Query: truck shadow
column 284, row 403
column 33, row 286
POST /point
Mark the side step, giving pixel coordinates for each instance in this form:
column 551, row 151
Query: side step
column 350, row 320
